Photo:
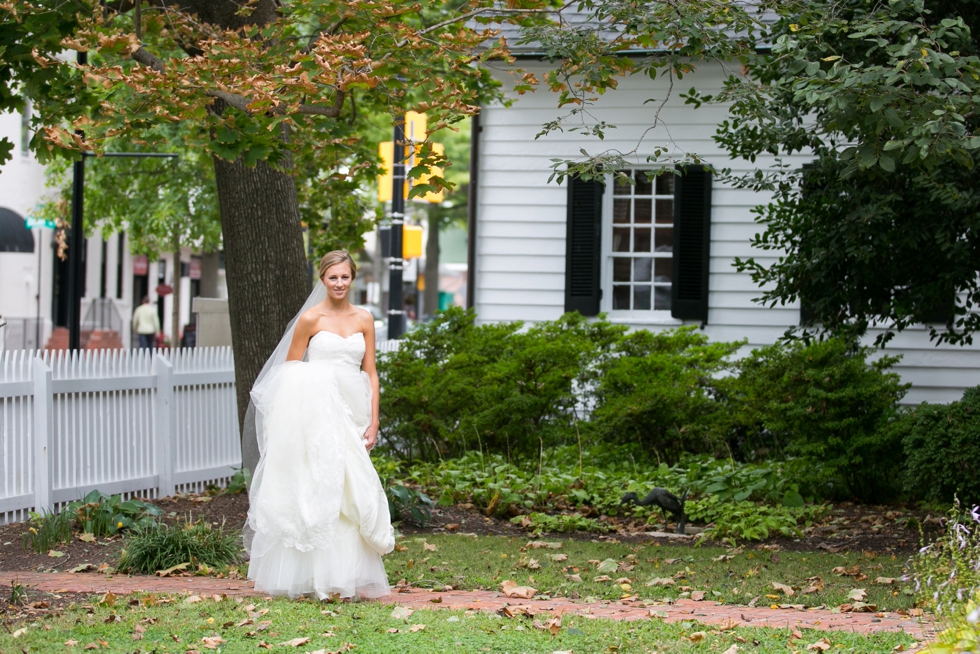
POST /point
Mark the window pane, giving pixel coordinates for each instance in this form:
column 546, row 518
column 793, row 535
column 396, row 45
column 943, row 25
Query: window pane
column 641, row 211
column 641, row 239
column 664, row 240
column 644, row 185
column 621, row 239
column 621, row 269
column 661, row 298
column 665, row 184
column 621, row 186
column 665, row 212
column 621, row 211
column 662, row 270
column 642, row 269
column 621, row 298
column 641, row 298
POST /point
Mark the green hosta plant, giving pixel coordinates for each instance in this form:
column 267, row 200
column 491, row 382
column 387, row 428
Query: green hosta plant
column 540, row 523
column 750, row 521
column 103, row 515
column 408, row 503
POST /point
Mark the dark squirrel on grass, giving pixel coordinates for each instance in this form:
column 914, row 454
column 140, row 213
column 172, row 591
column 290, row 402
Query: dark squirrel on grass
column 663, row 498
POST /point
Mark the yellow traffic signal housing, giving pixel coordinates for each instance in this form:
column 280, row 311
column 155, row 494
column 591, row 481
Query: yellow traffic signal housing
column 411, row 241
column 386, row 152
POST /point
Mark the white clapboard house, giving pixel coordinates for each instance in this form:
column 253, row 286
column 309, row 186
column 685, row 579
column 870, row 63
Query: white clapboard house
column 649, row 256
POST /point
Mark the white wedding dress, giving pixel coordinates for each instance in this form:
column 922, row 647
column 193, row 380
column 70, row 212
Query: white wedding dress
column 318, row 518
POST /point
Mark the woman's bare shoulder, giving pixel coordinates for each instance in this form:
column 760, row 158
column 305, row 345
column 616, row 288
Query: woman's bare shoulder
column 308, row 319
column 363, row 317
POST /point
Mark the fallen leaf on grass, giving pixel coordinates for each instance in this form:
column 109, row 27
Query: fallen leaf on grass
column 511, row 589
column 732, row 650
column 697, row 636
column 552, row 626
column 558, row 557
column 90, row 646
column 783, row 588
column 574, row 578
column 212, row 642
column 416, row 627
column 55, row 554
column 428, row 547
column 394, row 630
column 193, row 599
column 602, row 578
column 170, row 572
column 853, row 571
column 138, row 632
column 816, row 585
column 518, row 609
column 608, row 565
column 87, row 537
column 857, row 594
column 71, row 643
column 85, row 567
column 697, row 595
column 885, row 581
column 401, row 613
column 796, row 635
column 660, row 581
column 754, row 601
column 821, row 645
column 537, row 544
column 401, row 548
column 296, row 642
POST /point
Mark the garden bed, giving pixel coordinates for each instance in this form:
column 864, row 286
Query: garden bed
column 846, row 527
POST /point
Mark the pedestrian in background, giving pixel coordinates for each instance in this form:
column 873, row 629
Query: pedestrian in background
column 146, row 324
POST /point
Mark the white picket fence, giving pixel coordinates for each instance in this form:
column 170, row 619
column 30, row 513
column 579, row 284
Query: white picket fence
column 135, row 423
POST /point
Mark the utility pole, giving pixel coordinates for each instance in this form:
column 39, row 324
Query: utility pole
column 396, row 315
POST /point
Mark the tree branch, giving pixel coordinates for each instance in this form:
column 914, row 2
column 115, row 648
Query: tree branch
column 320, row 110
column 149, row 59
column 232, row 100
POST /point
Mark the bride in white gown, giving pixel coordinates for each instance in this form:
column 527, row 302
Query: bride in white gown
column 318, row 518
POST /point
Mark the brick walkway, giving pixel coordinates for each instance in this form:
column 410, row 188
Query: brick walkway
column 706, row 612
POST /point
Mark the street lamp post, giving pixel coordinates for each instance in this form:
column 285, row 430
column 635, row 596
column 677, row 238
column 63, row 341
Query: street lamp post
column 76, row 236
column 396, row 314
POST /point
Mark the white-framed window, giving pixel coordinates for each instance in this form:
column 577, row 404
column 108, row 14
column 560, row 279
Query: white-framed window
column 638, row 244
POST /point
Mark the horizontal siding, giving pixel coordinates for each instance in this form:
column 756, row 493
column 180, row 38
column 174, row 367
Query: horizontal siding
column 520, row 265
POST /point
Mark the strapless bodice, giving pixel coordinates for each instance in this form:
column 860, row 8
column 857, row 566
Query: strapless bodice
column 333, row 348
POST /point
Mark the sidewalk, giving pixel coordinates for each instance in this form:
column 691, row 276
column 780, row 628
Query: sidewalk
column 706, row 612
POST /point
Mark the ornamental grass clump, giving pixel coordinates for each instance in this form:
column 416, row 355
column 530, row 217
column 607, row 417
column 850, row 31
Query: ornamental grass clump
column 165, row 546
column 947, row 580
column 46, row 530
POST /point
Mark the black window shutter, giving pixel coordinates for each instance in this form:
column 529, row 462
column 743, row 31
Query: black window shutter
column 692, row 242
column 582, row 246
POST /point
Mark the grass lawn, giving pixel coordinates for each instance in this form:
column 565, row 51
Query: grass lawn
column 147, row 625
column 731, row 576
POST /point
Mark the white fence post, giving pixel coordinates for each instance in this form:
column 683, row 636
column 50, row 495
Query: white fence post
column 165, row 423
column 43, row 429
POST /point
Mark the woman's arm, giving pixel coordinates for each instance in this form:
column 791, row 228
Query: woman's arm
column 301, row 336
column 368, row 366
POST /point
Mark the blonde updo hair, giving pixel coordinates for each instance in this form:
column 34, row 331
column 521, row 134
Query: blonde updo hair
column 335, row 257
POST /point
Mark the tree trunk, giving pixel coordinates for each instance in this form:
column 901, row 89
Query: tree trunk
column 264, row 262
column 175, row 313
column 430, row 302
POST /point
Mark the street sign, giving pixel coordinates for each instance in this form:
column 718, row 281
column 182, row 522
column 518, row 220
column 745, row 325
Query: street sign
column 31, row 223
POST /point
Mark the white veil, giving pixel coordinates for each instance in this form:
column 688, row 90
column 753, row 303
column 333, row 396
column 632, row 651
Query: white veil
column 263, row 390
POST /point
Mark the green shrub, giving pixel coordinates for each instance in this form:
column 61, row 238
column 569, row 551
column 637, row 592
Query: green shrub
column 942, row 450
column 825, row 401
column 102, row 515
column 454, row 386
column 46, row 530
column 160, row 547
column 660, row 391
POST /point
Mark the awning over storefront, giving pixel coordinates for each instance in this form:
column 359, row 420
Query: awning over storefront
column 14, row 235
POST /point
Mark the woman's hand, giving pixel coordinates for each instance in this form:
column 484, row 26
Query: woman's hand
column 371, row 437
